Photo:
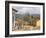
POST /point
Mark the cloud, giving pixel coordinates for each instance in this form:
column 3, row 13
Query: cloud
column 30, row 10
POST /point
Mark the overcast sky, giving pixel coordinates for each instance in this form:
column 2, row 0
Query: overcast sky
column 30, row 10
